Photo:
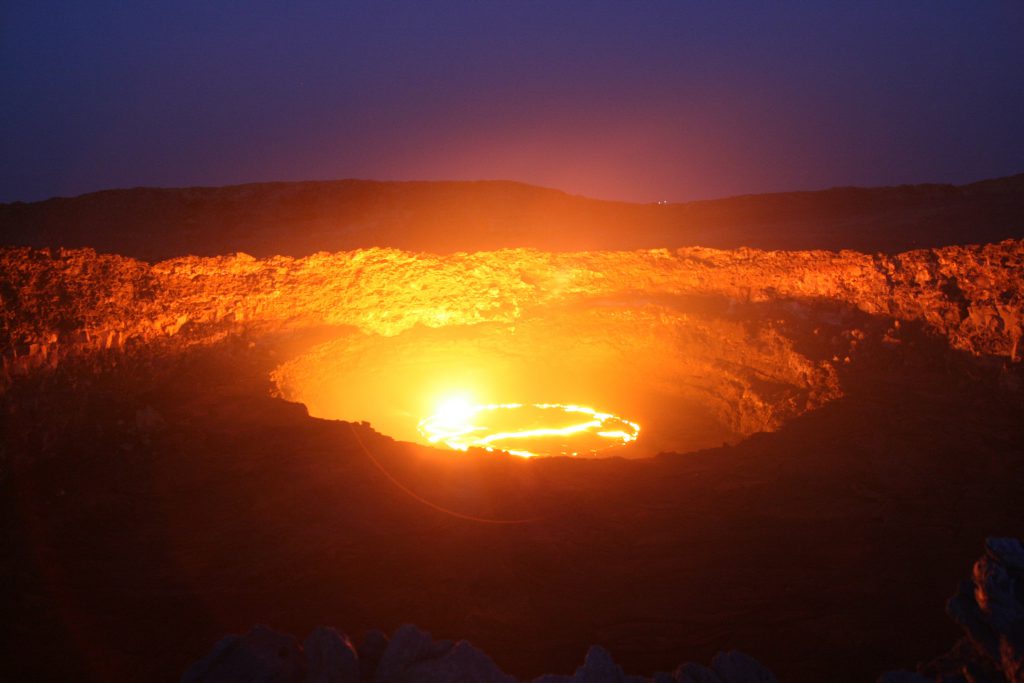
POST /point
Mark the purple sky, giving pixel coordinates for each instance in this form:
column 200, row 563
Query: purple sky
column 624, row 100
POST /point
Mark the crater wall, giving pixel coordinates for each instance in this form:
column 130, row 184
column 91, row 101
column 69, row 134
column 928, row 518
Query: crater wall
column 749, row 337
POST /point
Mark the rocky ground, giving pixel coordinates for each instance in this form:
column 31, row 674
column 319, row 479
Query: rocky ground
column 990, row 608
column 412, row 656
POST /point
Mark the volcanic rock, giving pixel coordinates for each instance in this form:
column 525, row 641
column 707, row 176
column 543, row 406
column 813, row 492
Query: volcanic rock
column 412, row 656
column 370, row 651
column 69, row 302
column 599, row 667
column 990, row 607
column 736, row 667
column 889, row 382
column 696, row 673
column 330, row 657
column 407, row 645
column 260, row 656
column 748, row 339
column 460, row 663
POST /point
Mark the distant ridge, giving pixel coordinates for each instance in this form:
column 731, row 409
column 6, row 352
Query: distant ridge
column 299, row 218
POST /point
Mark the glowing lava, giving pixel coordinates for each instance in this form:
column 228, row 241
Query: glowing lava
column 527, row 430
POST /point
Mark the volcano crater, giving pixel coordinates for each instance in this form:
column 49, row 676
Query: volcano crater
column 694, row 372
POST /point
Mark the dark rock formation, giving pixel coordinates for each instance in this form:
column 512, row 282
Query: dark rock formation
column 260, row 656
column 990, row 609
column 330, row 657
column 412, row 656
column 736, row 667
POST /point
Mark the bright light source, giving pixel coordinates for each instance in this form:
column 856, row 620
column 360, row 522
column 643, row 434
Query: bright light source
column 526, row 429
column 454, row 411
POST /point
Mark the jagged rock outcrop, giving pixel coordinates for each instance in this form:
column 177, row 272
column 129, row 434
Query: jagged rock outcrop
column 990, row 609
column 412, row 656
column 330, row 657
column 262, row 655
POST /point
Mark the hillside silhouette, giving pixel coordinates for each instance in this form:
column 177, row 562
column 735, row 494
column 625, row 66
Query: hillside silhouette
column 301, row 218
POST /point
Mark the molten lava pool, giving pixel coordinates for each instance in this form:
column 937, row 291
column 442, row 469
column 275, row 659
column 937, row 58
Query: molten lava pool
column 527, row 430
column 568, row 379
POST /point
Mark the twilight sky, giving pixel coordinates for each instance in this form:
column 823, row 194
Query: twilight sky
column 631, row 100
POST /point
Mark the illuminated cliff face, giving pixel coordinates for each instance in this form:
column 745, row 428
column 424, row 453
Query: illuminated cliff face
column 697, row 346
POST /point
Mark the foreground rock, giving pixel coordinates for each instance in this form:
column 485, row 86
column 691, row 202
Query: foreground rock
column 990, row 609
column 412, row 656
column 262, row 654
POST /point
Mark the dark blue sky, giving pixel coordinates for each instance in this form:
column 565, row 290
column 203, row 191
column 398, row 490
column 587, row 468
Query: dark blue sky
column 625, row 100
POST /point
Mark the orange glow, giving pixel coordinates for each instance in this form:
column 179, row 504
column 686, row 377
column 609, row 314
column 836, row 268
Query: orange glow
column 526, row 430
column 639, row 334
